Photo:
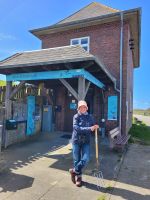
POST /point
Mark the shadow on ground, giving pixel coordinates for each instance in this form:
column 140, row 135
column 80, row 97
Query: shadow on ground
column 54, row 147
column 10, row 181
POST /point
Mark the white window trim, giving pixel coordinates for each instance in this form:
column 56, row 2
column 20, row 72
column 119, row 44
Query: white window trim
column 79, row 39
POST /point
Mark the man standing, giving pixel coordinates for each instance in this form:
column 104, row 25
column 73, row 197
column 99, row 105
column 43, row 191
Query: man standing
column 83, row 125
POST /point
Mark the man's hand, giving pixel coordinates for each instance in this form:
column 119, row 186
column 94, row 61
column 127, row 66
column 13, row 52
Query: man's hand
column 94, row 127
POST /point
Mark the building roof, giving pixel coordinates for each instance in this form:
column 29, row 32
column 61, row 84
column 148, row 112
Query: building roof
column 46, row 56
column 59, row 58
column 90, row 12
column 94, row 9
column 96, row 13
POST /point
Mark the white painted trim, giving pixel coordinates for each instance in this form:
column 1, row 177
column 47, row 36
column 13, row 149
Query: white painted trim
column 127, row 113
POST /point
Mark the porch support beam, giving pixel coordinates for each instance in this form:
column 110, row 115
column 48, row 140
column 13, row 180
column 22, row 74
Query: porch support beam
column 81, row 88
column 87, row 85
column 59, row 74
column 69, row 87
column 8, row 107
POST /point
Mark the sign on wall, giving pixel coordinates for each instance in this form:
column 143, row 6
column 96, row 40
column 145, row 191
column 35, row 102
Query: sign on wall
column 112, row 107
column 73, row 106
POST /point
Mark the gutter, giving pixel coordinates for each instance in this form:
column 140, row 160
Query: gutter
column 82, row 21
column 121, row 67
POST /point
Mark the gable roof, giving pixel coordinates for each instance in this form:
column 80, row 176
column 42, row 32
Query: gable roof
column 46, row 56
column 55, row 58
column 96, row 13
column 94, row 9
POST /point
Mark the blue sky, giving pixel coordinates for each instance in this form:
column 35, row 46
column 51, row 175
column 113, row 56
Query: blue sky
column 17, row 17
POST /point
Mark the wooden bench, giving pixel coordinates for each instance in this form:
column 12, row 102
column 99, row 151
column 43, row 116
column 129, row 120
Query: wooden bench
column 117, row 140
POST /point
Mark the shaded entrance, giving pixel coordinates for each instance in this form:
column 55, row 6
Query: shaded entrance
column 62, row 80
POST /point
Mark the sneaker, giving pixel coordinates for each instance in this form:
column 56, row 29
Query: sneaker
column 79, row 181
column 73, row 175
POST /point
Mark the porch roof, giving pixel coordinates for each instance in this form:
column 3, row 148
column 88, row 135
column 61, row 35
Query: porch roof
column 59, row 58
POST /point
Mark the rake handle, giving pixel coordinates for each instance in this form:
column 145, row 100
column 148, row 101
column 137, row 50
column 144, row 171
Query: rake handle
column 96, row 147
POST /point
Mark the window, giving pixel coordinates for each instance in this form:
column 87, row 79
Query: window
column 83, row 42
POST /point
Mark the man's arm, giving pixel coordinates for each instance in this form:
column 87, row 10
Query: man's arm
column 79, row 128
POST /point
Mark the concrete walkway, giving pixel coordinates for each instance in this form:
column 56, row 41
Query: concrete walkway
column 38, row 170
column 133, row 181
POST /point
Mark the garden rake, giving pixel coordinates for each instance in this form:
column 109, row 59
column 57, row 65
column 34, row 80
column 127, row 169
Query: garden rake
column 97, row 173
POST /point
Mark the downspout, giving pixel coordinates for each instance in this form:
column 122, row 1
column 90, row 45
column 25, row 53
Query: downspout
column 121, row 67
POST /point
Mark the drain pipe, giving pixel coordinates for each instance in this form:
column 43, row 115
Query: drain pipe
column 121, row 68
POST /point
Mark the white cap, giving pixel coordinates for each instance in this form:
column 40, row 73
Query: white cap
column 82, row 103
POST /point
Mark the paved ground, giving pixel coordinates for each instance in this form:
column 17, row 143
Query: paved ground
column 134, row 178
column 38, row 170
column 145, row 119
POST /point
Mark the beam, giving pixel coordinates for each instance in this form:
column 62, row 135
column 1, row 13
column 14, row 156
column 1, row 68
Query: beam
column 69, row 87
column 81, row 88
column 86, row 88
column 59, row 74
column 8, row 108
column 94, row 80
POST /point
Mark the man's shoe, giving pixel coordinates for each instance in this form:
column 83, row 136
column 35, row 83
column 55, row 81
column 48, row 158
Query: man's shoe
column 73, row 175
column 79, row 181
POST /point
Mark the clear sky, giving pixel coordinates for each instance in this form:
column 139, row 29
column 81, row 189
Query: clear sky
column 18, row 16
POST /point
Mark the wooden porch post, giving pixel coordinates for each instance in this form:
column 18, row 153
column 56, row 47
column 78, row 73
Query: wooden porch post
column 81, row 88
column 8, row 107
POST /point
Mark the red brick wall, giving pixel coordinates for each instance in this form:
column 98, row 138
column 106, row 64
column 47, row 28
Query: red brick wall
column 105, row 44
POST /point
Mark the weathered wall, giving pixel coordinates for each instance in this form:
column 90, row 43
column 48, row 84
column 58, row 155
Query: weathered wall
column 19, row 111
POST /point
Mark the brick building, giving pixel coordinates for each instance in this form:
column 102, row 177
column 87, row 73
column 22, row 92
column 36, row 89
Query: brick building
column 108, row 49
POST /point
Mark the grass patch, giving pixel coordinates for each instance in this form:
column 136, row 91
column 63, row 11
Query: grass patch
column 140, row 132
column 102, row 197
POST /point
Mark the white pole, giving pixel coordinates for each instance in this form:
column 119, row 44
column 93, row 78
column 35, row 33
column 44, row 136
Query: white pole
column 121, row 67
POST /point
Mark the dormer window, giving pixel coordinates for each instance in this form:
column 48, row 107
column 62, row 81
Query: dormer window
column 83, row 42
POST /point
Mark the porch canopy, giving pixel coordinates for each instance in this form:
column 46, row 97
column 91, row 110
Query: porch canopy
column 57, row 64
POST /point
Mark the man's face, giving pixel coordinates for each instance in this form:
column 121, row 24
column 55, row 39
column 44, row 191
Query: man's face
column 82, row 109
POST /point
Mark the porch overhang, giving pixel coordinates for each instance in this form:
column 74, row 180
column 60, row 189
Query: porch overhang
column 54, row 60
column 59, row 74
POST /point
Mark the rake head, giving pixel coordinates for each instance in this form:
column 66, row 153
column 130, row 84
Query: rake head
column 99, row 179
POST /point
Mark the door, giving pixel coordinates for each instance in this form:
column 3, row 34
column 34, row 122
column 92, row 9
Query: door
column 30, row 115
column 47, row 118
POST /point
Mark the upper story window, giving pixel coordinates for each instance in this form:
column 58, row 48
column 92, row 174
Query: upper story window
column 83, row 42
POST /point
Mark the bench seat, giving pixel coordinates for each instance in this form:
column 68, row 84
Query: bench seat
column 116, row 139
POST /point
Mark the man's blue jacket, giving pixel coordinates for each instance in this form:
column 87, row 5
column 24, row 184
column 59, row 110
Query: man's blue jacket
column 81, row 128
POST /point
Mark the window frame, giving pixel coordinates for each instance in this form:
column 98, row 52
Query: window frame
column 82, row 45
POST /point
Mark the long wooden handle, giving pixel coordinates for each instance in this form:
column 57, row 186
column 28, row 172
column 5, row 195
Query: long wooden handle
column 96, row 147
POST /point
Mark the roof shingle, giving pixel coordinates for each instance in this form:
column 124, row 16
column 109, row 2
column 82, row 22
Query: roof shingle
column 92, row 10
column 51, row 55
